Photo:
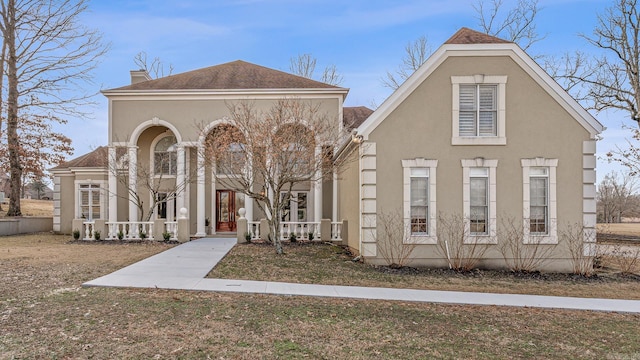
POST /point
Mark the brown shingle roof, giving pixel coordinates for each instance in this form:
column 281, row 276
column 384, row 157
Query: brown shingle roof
column 98, row 158
column 354, row 116
column 235, row 75
column 468, row 36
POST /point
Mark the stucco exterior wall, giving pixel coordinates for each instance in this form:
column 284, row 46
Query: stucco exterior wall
column 189, row 117
column 536, row 126
column 348, row 198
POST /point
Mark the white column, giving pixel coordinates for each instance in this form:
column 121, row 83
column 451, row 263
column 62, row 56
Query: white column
column 113, row 185
column 334, row 210
column 180, row 178
column 133, row 182
column 213, row 202
column 200, row 211
column 248, row 200
column 248, row 206
column 317, row 190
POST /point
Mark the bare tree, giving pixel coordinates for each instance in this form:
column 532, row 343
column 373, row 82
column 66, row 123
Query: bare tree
column 49, row 57
column 156, row 68
column 416, row 53
column 519, row 255
column 616, row 197
column 393, row 239
column 579, row 242
column 455, row 243
column 305, row 65
column 264, row 153
column 515, row 24
column 154, row 183
column 612, row 80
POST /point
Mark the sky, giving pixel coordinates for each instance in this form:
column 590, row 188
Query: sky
column 363, row 38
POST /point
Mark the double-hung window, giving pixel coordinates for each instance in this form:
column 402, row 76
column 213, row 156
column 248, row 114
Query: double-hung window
column 478, row 110
column 540, row 210
column 89, row 201
column 539, row 204
column 419, row 201
column 479, row 201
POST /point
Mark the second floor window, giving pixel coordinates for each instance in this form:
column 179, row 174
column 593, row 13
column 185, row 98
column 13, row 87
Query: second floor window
column 478, row 110
column 164, row 156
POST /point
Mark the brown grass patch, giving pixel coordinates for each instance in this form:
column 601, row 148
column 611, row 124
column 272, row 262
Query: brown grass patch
column 45, row 314
column 32, row 207
column 324, row 264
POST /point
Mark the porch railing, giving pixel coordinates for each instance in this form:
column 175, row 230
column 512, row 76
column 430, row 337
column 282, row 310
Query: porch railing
column 89, row 227
column 254, row 229
column 172, row 228
column 301, row 230
column 130, row 230
column 336, row 231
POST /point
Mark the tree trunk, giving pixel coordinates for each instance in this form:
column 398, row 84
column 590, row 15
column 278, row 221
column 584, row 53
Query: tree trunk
column 13, row 142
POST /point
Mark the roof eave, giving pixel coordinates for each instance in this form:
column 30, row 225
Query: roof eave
column 178, row 92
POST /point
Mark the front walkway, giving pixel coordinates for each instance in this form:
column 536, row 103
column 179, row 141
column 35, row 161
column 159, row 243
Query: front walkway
column 185, row 266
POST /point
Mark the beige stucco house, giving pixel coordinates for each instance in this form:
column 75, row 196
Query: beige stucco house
column 480, row 131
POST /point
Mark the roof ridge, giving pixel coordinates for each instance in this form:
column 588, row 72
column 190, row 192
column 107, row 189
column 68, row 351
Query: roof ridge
column 469, row 36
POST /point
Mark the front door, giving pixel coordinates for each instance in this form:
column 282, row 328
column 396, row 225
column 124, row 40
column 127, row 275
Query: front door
column 226, row 210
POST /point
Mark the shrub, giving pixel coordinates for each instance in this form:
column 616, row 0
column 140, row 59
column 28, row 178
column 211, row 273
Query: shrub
column 120, row 235
column 310, row 236
column 518, row 255
column 166, row 236
column 292, row 237
column 456, row 245
column 143, row 235
column 96, row 234
column 392, row 239
column 76, row 234
column 247, row 236
column 576, row 238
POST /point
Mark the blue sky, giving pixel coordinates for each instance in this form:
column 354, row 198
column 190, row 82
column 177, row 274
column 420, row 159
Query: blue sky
column 363, row 38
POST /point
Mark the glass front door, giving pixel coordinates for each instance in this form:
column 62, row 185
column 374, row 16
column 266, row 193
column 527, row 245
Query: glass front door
column 226, row 210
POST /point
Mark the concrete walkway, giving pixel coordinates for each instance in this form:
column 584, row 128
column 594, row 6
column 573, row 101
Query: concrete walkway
column 185, row 266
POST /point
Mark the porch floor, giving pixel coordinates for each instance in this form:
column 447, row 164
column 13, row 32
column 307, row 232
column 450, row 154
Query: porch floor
column 185, row 266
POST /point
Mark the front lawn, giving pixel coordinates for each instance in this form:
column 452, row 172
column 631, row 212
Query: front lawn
column 46, row 314
column 331, row 265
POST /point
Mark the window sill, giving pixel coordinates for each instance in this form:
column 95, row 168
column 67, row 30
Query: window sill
column 421, row 240
column 478, row 140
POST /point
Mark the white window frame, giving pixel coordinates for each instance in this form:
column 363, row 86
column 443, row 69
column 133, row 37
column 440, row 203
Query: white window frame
column 293, row 205
column 491, row 165
column 500, row 81
column 103, row 206
column 431, row 236
column 152, row 160
column 551, row 237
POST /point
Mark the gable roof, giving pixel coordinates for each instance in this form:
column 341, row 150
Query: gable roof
column 235, row 75
column 97, row 158
column 468, row 36
column 353, row 116
column 468, row 42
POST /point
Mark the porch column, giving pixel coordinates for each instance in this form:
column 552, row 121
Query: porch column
column 248, row 200
column 317, row 189
column 248, row 206
column 180, row 178
column 113, row 185
column 200, row 212
column 133, row 182
column 334, row 210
